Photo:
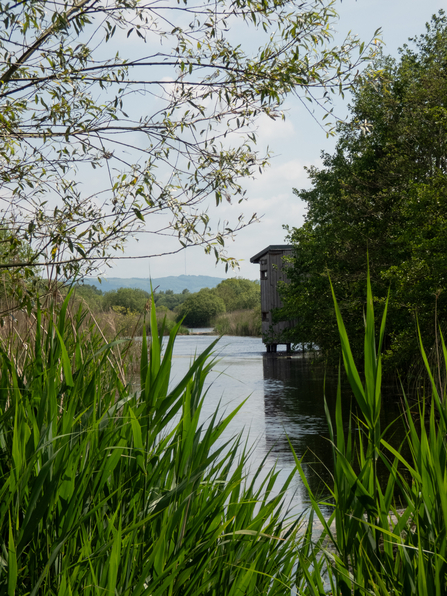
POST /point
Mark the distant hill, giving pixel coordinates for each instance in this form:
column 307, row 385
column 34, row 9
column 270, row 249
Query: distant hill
column 177, row 284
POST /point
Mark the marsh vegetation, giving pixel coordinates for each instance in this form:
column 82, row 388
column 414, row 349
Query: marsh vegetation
column 130, row 492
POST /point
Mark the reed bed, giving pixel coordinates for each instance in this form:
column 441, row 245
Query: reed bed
column 109, row 491
column 380, row 544
column 114, row 323
column 105, row 490
column 244, row 323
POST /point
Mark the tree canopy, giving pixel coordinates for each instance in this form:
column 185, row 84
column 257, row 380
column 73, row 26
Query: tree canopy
column 238, row 293
column 200, row 308
column 382, row 193
column 123, row 117
column 169, row 299
column 128, row 300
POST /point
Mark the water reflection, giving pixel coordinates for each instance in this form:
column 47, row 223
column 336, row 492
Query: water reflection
column 294, row 411
column 294, row 391
column 283, row 399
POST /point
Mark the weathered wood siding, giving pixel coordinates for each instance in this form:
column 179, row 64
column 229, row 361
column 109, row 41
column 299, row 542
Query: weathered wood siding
column 271, row 272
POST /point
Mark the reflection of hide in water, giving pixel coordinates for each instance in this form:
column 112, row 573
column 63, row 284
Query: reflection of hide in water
column 294, row 390
column 294, row 410
column 279, row 368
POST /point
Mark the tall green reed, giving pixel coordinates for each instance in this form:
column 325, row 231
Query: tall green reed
column 385, row 537
column 107, row 490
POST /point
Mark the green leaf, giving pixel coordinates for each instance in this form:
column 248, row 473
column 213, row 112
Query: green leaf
column 66, row 364
column 12, row 562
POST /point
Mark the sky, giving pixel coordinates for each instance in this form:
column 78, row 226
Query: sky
column 295, row 143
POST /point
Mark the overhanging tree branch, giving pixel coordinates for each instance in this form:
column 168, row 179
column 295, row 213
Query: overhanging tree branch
column 62, row 20
column 96, row 144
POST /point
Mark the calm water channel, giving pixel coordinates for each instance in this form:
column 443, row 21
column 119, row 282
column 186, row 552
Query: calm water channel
column 284, row 398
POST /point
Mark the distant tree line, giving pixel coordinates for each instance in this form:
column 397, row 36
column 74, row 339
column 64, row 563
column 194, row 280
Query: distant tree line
column 196, row 309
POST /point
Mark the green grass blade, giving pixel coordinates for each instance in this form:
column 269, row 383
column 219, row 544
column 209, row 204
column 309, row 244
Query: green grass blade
column 65, row 361
column 351, row 369
column 12, row 562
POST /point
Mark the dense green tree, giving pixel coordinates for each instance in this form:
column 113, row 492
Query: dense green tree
column 126, row 299
column 87, row 289
column 238, row 293
column 91, row 295
column 382, row 192
column 170, row 300
column 160, row 100
column 199, row 309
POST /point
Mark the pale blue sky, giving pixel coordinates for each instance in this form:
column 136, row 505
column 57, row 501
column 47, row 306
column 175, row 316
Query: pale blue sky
column 297, row 142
